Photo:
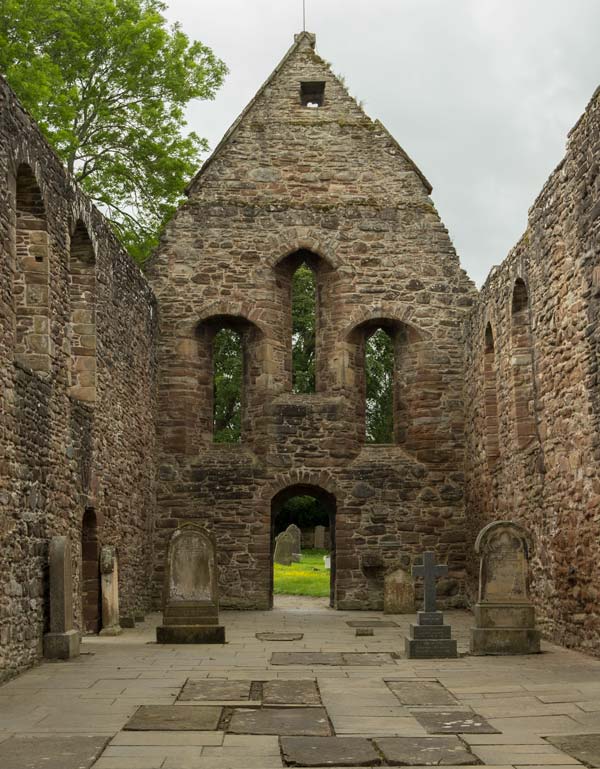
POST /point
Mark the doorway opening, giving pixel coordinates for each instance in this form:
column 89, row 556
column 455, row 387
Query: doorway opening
column 311, row 570
column 90, row 573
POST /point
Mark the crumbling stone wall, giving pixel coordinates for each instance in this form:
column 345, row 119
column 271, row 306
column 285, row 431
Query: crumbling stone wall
column 329, row 184
column 543, row 373
column 77, row 384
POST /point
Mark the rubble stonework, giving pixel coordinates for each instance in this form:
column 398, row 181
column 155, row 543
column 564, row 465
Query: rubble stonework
column 60, row 451
column 546, row 475
column 329, row 183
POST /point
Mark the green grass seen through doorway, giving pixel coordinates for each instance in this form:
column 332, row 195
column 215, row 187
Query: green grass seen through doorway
column 307, row 577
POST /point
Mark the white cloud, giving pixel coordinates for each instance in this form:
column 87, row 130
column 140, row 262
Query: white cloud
column 480, row 93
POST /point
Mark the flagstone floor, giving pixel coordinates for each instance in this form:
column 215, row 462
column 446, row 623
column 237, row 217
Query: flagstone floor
column 66, row 715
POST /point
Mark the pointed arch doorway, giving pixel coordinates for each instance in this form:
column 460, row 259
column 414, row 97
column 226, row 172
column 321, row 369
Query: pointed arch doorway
column 327, row 503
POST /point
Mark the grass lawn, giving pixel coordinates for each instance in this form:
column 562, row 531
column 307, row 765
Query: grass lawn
column 308, row 577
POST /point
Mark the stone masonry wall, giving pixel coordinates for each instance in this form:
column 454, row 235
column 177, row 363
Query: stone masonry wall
column 542, row 381
column 76, row 428
column 329, row 184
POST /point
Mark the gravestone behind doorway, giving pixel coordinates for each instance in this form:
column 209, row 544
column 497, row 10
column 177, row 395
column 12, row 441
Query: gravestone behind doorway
column 284, row 549
column 191, row 604
column 296, row 536
column 62, row 642
column 319, row 537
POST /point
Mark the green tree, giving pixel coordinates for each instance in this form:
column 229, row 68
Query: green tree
column 379, row 365
column 304, row 306
column 108, row 82
column 227, row 383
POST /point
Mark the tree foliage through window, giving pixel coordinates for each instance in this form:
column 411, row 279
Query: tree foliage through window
column 227, row 383
column 304, row 307
column 379, row 368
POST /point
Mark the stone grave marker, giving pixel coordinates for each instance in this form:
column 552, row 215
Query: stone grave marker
column 453, row 722
column 284, row 549
column 328, row 751
column 425, row 751
column 398, row 593
column 109, row 583
column 51, row 751
column 430, row 638
column 62, row 642
column 504, row 615
column 191, row 602
column 420, row 693
column 291, row 692
column 178, row 718
column 319, row 537
column 296, row 535
column 215, row 690
column 279, row 636
column 309, row 722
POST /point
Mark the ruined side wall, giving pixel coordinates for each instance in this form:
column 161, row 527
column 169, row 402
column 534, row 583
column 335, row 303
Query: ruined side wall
column 60, row 455
column 552, row 484
column 331, row 181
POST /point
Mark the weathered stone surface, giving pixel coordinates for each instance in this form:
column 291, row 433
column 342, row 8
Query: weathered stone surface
column 185, row 718
column 425, row 751
column 296, row 535
column 399, row 593
column 62, row 642
column 371, row 623
column 421, row 692
column 191, row 601
column 309, row 722
column 328, row 751
column 280, row 636
column 215, row 689
column 319, row 537
column 284, row 549
column 453, row 722
column 583, row 747
column 109, row 584
column 51, row 752
column 332, row 658
column 364, row 631
column 291, row 692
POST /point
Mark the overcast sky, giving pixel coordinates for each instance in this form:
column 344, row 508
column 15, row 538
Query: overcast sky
column 480, row 93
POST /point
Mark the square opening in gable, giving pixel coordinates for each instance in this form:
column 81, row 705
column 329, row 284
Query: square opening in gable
column 312, row 94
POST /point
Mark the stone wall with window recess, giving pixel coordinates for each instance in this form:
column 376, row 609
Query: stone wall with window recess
column 543, row 306
column 327, row 187
column 77, row 328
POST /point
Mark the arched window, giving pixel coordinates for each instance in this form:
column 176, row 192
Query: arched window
column 228, row 371
column 379, row 372
column 492, row 444
column 522, row 366
column 32, row 344
column 82, row 294
column 304, row 316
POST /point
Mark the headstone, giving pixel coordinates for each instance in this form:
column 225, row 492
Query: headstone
column 398, row 593
column 319, row 537
column 311, row 722
column 62, row 642
column 425, row 751
column 109, row 582
column 284, row 549
column 328, row 751
column 191, row 603
column 327, row 562
column 296, row 535
column 504, row 614
column 430, row 638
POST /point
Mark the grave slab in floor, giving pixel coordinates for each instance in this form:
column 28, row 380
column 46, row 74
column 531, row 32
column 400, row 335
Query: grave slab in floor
column 301, row 722
column 583, row 747
column 279, row 636
column 421, row 693
column 156, row 718
column 425, row 751
column 333, row 658
column 328, row 751
column 453, row 722
column 51, row 752
column 291, row 692
column 214, row 689
column 371, row 623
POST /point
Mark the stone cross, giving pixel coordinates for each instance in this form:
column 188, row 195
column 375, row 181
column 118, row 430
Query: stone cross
column 429, row 571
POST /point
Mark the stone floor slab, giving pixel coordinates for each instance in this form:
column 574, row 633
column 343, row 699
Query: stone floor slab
column 158, row 718
column 307, row 658
column 371, row 623
column 425, row 751
column 453, row 722
column 51, row 752
column 421, row 693
column 328, row 751
column 301, row 722
column 279, row 636
column 369, row 658
column 583, row 747
column 291, row 692
column 215, row 690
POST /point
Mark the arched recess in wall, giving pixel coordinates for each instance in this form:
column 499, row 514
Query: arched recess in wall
column 384, row 356
column 492, row 442
column 304, row 284
column 82, row 327
column 522, row 366
column 90, row 573
column 231, row 353
column 31, row 288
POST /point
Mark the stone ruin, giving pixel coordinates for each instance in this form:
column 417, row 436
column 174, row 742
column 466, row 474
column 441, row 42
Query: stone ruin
column 496, row 393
